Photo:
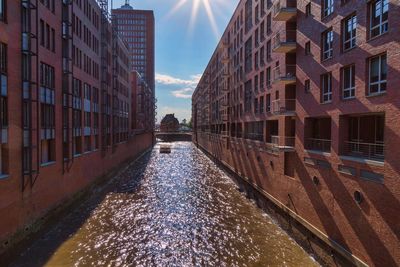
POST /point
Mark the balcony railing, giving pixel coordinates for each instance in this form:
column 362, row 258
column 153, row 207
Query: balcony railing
column 283, row 106
column 372, row 151
column 285, row 143
column 254, row 136
column 316, row 144
column 285, row 74
column 284, row 10
column 284, row 41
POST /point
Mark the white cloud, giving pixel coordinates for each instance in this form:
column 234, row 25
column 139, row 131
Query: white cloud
column 183, row 93
column 170, row 80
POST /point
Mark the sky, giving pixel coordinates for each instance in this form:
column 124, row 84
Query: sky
column 185, row 41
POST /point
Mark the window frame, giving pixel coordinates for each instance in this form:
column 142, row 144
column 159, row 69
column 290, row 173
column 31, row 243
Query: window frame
column 352, row 41
column 380, row 81
column 3, row 11
column 327, row 46
column 352, row 88
column 328, row 7
column 326, row 93
column 382, row 24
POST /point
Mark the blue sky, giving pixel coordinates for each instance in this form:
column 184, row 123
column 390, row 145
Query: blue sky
column 183, row 48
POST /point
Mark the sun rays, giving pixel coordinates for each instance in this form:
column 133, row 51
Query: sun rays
column 210, row 7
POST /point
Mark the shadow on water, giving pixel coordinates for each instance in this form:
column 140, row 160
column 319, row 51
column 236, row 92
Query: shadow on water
column 175, row 209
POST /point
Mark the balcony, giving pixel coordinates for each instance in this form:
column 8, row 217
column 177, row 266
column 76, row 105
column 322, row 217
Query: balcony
column 370, row 151
column 285, row 75
column 284, row 10
column 284, row 41
column 323, row 145
column 283, row 107
column 283, row 143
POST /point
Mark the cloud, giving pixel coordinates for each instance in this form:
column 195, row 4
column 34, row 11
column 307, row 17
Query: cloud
column 183, row 93
column 170, row 80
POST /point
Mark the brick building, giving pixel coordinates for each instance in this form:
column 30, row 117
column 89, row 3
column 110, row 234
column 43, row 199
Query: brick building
column 300, row 100
column 169, row 123
column 136, row 28
column 66, row 104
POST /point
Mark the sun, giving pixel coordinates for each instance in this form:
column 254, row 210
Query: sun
column 210, row 6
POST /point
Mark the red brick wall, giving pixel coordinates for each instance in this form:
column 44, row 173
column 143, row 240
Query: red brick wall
column 369, row 230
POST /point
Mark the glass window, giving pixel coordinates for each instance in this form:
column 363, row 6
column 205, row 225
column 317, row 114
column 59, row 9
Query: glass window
column 307, row 86
column 308, row 48
column 326, row 88
column 377, row 74
column 379, row 17
column 308, row 9
column 2, row 10
column 348, row 82
column 327, row 6
column 349, row 32
column 327, row 44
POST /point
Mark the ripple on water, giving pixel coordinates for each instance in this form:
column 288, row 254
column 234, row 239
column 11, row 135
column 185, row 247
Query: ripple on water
column 175, row 209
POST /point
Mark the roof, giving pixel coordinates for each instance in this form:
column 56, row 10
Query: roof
column 169, row 118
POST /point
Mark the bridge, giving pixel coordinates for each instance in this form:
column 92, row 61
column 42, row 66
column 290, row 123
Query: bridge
column 174, row 136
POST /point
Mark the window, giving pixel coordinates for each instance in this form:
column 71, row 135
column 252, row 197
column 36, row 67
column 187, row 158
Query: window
column 3, row 87
column 326, row 88
column 248, row 58
column 377, row 74
column 47, row 113
column 349, row 32
column 308, row 48
column 2, row 10
column 255, row 105
column 307, row 86
column 269, row 24
column 268, row 76
column 327, row 7
column 349, row 82
column 308, row 10
column 269, row 51
column 268, row 103
column 261, row 105
column 378, row 17
column 327, row 44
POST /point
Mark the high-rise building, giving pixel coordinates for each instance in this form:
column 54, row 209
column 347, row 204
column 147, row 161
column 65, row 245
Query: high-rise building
column 136, row 28
column 301, row 100
column 65, row 105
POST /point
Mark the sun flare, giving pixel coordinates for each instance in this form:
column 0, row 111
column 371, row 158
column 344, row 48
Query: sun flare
column 210, row 7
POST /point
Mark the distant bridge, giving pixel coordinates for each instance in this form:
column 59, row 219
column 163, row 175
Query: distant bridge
column 174, row 136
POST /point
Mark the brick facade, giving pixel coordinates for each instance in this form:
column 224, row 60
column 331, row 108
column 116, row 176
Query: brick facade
column 316, row 139
column 67, row 109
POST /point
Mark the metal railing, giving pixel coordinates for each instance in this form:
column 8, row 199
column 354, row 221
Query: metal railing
column 254, row 136
column 281, row 5
column 281, row 106
column 283, row 141
column 284, row 37
column 284, row 72
column 317, row 144
column 373, row 151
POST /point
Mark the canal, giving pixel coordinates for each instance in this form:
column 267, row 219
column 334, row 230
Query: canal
column 175, row 209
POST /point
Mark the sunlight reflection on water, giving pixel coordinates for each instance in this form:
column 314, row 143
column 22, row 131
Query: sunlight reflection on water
column 175, row 209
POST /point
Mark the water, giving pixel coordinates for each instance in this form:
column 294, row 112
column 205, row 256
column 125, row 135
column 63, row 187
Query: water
column 175, row 209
